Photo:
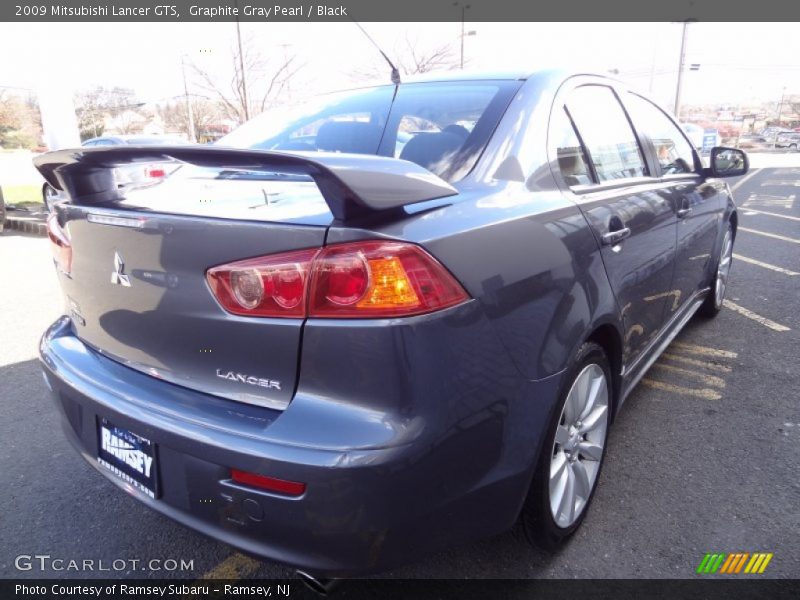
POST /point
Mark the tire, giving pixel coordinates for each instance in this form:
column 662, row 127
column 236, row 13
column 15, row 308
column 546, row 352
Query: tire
column 49, row 197
column 719, row 285
column 546, row 521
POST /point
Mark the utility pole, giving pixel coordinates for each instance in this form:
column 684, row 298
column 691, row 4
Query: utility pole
column 189, row 112
column 780, row 106
column 685, row 28
column 464, row 9
column 245, row 100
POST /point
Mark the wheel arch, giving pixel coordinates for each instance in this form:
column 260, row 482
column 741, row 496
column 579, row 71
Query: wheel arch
column 607, row 336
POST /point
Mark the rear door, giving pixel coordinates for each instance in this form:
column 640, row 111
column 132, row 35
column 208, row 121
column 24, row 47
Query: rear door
column 697, row 205
column 601, row 162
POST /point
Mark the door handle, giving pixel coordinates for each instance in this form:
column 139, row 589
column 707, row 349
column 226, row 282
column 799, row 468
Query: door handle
column 684, row 212
column 615, row 237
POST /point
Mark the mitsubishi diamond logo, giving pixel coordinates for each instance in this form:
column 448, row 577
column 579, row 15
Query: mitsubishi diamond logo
column 118, row 277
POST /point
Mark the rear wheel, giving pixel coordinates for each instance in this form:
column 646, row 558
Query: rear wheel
column 573, row 452
column 713, row 302
column 49, row 196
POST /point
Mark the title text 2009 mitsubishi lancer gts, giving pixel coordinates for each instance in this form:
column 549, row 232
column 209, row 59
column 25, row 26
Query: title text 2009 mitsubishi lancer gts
column 385, row 321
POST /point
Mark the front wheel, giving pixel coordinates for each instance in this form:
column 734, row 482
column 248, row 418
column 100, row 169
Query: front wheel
column 572, row 454
column 713, row 303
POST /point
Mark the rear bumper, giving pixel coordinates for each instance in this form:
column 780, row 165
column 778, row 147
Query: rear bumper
column 406, row 484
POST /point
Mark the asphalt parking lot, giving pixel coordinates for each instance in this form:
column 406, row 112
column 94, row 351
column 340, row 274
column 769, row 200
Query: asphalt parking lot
column 704, row 457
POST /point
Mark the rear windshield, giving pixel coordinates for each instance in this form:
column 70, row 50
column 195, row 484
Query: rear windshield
column 442, row 127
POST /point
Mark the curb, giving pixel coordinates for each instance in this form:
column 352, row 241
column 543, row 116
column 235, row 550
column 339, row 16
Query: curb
column 26, row 225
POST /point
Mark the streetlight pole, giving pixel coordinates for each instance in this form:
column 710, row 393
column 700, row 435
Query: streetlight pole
column 189, row 112
column 679, row 85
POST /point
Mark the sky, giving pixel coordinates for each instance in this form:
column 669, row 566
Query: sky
column 739, row 62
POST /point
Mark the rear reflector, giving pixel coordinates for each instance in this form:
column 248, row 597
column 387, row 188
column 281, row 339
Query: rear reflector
column 271, row 484
column 371, row 279
column 60, row 245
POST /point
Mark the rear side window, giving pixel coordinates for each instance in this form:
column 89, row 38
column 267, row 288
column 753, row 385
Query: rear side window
column 606, row 133
column 673, row 152
column 572, row 160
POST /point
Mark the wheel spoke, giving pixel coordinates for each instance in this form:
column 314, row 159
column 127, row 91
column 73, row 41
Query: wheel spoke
column 591, row 421
column 590, row 451
column 571, row 408
column 557, row 466
column 568, row 497
column 562, row 435
column 593, row 392
column 582, row 486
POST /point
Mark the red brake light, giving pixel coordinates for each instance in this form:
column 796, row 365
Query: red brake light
column 371, row 279
column 60, row 245
column 270, row 286
column 290, row 488
column 155, row 172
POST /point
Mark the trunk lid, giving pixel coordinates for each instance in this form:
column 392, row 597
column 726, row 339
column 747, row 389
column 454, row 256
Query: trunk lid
column 137, row 289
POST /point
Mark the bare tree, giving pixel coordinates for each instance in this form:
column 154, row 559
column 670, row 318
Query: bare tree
column 94, row 105
column 410, row 58
column 266, row 79
column 205, row 114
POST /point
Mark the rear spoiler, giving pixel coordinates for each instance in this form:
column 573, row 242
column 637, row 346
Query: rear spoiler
column 353, row 185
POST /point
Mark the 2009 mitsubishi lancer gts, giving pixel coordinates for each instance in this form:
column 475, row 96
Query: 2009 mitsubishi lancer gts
column 388, row 320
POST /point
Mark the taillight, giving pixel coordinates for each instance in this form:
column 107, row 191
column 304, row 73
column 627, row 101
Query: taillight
column 270, row 286
column 155, row 172
column 354, row 280
column 60, row 245
column 380, row 279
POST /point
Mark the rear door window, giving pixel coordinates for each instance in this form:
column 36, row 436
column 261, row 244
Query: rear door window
column 572, row 161
column 673, row 151
column 606, row 133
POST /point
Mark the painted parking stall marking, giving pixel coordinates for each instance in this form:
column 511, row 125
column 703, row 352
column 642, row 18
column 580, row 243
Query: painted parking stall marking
column 697, row 377
column 770, row 235
column 764, row 265
column 769, row 201
column 755, row 317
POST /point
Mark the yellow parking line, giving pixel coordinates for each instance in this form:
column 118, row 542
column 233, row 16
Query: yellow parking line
column 236, row 566
column 711, row 366
column 711, row 380
column 770, row 235
column 704, row 350
column 753, row 261
column 772, row 214
column 704, row 393
column 755, row 317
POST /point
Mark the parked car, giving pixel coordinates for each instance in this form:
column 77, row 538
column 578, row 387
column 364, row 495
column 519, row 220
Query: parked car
column 128, row 175
column 770, row 133
column 788, row 140
column 753, row 142
column 342, row 360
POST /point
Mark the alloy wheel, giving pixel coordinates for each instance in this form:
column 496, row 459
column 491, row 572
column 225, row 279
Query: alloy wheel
column 723, row 269
column 578, row 445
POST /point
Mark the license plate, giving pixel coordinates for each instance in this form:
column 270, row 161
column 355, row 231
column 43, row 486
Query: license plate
column 129, row 456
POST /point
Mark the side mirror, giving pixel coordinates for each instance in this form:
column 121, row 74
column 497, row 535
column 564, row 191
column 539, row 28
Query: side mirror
column 728, row 162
